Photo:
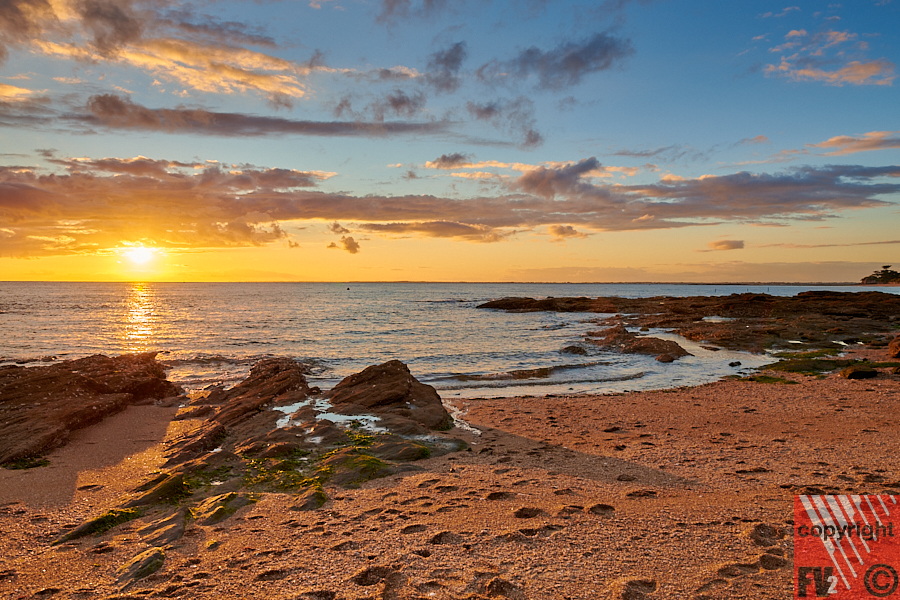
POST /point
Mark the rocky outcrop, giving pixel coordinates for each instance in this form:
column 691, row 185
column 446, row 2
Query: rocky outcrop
column 390, row 391
column 749, row 321
column 40, row 407
column 621, row 340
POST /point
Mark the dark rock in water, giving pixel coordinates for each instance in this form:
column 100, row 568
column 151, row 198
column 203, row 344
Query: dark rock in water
column 390, row 389
column 42, row 406
column 573, row 350
column 665, row 358
column 620, row 339
column 859, row 372
column 144, row 564
column 735, row 363
column 894, row 348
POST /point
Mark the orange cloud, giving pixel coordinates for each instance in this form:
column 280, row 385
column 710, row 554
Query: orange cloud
column 724, row 245
column 94, row 205
column 874, row 140
column 11, row 93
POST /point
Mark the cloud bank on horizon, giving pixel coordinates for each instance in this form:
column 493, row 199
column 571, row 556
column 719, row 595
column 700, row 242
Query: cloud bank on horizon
column 327, row 125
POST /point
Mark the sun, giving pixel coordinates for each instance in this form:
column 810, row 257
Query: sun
column 140, row 255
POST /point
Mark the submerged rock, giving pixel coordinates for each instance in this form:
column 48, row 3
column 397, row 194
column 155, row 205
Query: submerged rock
column 42, row 406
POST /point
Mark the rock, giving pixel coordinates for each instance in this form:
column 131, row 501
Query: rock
column 43, row 405
column 390, row 389
column 165, row 531
column 170, row 488
column 894, row 348
column 665, row 358
column 735, row 363
column 859, row 372
column 144, row 564
column 278, row 381
column 574, row 350
column 100, row 524
column 620, row 339
column 218, row 508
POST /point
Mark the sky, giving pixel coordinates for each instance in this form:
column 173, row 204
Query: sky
column 449, row 140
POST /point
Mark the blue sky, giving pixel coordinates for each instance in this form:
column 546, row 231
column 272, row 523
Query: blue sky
column 440, row 140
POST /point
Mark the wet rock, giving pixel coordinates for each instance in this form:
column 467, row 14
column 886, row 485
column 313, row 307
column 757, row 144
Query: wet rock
column 389, row 389
column 620, row 339
column 574, row 350
column 144, row 564
column 665, row 358
column 859, row 372
column 43, row 405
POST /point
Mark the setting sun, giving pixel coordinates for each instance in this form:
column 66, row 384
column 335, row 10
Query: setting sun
column 140, row 254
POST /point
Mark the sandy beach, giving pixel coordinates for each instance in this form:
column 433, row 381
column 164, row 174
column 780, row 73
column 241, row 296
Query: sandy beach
column 674, row 493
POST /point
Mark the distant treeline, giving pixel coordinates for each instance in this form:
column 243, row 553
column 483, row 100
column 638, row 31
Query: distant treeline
column 885, row 275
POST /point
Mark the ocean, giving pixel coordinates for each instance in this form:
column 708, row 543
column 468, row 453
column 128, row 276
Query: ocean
column 212, row 333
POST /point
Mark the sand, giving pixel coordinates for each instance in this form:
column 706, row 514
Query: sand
column 683, row 493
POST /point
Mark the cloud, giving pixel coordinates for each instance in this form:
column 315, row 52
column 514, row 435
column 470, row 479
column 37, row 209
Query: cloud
column 347, row 243
column 22, row 21
column 724, row 245
column 112, row 23
column 875, row 72
column 760, row 139
column 394, row 10
column 443, row 68
column 516, row 116
column 781, row 14
column 848, row 245
column 562, row 232
column 117, row 112
column 562, row 66
column 91, row 205
column 874, row 140
column 399, row 103
column 449, row 161
column 11, row 93
column 440, row 229
column 823, row 57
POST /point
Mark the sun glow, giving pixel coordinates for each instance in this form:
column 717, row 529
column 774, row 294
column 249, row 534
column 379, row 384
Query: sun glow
column 140, row 255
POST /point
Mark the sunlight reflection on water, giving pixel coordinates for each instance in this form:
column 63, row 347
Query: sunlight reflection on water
column 139, row 319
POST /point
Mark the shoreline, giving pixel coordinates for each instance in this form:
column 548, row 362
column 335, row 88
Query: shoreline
column 665, row 492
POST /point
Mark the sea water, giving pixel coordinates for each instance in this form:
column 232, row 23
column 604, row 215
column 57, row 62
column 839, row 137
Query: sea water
column 212, row 333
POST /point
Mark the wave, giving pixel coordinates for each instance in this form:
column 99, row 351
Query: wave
column 539, row 373
column 507, row 383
